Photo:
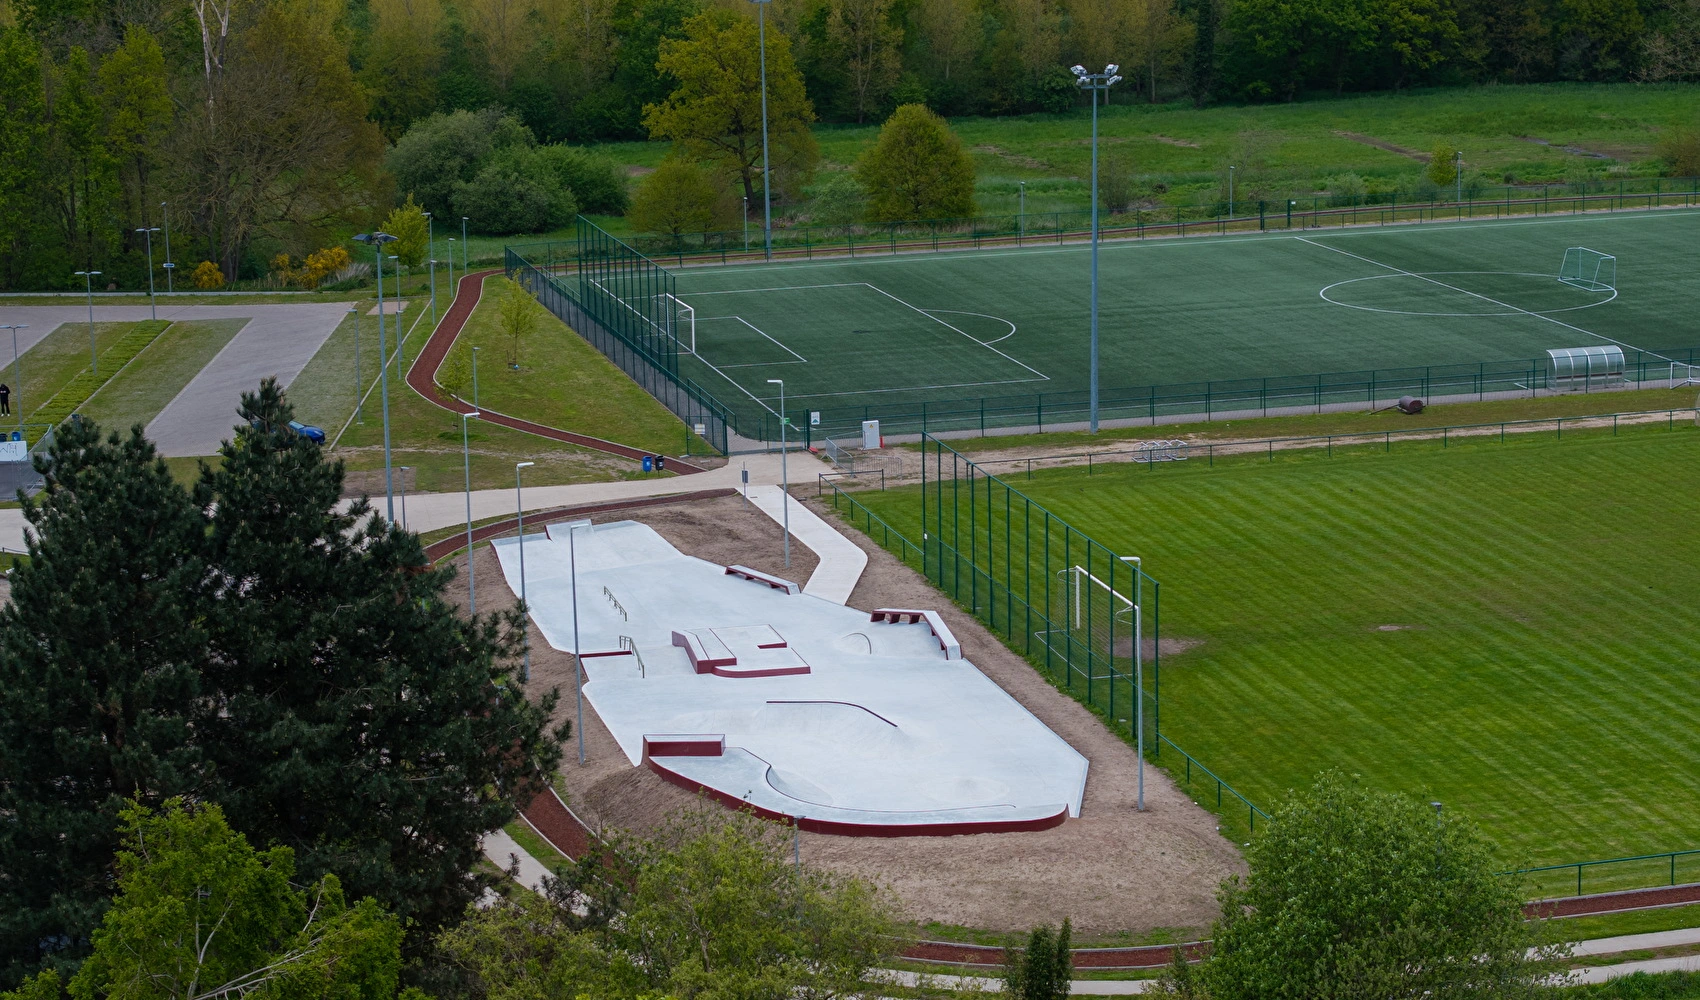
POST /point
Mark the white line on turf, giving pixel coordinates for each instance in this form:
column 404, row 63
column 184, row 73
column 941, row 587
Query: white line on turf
column 941, row 322
column 1478, row 295
column 1130, row 243
column 1000, row 319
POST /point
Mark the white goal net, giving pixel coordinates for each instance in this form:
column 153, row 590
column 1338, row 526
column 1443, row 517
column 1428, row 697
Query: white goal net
column 1588, row 269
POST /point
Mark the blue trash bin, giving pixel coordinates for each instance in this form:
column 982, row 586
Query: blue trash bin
column 648, row 464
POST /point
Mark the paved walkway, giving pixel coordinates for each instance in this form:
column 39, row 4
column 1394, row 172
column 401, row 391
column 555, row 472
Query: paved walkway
column 841, row 562
column 503, row 849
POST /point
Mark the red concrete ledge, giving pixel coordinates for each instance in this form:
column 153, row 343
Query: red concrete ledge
column 1615, row 902
column 422, row 378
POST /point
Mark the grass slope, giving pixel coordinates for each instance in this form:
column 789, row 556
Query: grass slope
column 1540, row 673
column 564, row 382
column 155, row 377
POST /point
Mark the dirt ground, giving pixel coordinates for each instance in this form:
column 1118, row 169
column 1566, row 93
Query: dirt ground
column 1114, row 871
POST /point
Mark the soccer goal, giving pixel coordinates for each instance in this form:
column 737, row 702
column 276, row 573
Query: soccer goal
column 1588, row 269
column 681, row 320
column 1681, row 374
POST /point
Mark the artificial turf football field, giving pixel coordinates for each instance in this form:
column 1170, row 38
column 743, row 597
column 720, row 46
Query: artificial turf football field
column 1509, row 629
column 878, row 335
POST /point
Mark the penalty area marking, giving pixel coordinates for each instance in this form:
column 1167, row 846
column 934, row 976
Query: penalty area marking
column 1508, row 311
column 1478, row 295
column 757, row 364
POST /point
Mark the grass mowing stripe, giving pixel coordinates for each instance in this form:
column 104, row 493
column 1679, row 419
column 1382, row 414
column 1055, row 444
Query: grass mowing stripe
column 137, row 394
column 1539, row 675
column 89, row 381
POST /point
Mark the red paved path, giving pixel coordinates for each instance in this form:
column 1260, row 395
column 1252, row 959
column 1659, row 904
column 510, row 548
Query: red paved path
column 422, row 373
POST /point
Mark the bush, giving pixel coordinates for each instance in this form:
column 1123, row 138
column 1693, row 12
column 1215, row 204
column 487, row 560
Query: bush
column 1056, row 91
column 1680, row 149
column 597, row 183
column 1581, row 177
column 407, row 223
column 443, row 151
column 515, row 192
column 1346, row 189
column 1044, row 970
column 838, row 200
column 1115, row 182
column 208, row 276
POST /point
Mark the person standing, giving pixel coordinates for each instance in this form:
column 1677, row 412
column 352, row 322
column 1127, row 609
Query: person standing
column 5, row 400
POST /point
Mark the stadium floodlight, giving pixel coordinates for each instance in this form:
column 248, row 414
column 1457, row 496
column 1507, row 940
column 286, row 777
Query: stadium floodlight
column 1095, row 82
column 784, row 472
column 519, row 502
column 766, row 186
column 376, row 241
column 88, row 289
column 1077, row 70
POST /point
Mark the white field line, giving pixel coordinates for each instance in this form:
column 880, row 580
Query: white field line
column 1478, row 295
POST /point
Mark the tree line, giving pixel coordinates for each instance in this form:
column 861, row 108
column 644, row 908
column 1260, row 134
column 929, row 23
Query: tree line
column 253, row 128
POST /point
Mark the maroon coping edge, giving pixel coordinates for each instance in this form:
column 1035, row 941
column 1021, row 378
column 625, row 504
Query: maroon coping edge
column 857, row 829
column 421, row 376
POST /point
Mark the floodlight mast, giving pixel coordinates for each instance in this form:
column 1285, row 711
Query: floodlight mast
column 1095, row 82
column 766, row 186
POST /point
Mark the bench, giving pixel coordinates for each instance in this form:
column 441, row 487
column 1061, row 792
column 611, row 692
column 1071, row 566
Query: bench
column 705, row 651
column 941, row 631
column 758, row 576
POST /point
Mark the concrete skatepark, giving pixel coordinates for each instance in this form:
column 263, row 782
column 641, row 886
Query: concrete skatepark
column 762, row 695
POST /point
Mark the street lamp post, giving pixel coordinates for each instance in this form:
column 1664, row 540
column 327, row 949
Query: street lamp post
column 148, row 232
column 451, row 270
column 519, row 502
column 433, row 293
column 404, row 496
column 359, row 399
column 1021, row 212
column 376, row 241
column 400, row 347
column 17, row 367
column 165, row 211
column 466, row 462
column 766, row 186
column 1095, row 82
column 1230, row 192
column 784, row 472
column 475, row 378
column 465, row 264
column 578, row 658
column 1458, row 169
column 88, row 288
column 746, row 223
column 431, row 252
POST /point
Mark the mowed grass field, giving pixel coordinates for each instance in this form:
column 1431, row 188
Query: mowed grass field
column 1507, row 629
column 877, row 337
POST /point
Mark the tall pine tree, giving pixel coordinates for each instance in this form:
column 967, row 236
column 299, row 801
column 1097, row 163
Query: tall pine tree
column 358, row 718
column 100, row 654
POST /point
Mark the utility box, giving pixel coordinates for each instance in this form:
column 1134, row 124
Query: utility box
column 871, row 434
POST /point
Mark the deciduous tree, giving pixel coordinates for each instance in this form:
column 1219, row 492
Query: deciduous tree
column 677, row 198
column 868, row 45
column 403, row 57
column 1358, row 893
column 138, row 108
column 407, row 223
column 714, row 113
column 917, row 169
column 200, row 914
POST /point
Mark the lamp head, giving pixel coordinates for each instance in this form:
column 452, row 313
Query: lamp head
column 1112, row 81
column 775, row 381
column 524, row 465
column 1077, row 70
column 474, row 415
column 1112, row 69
